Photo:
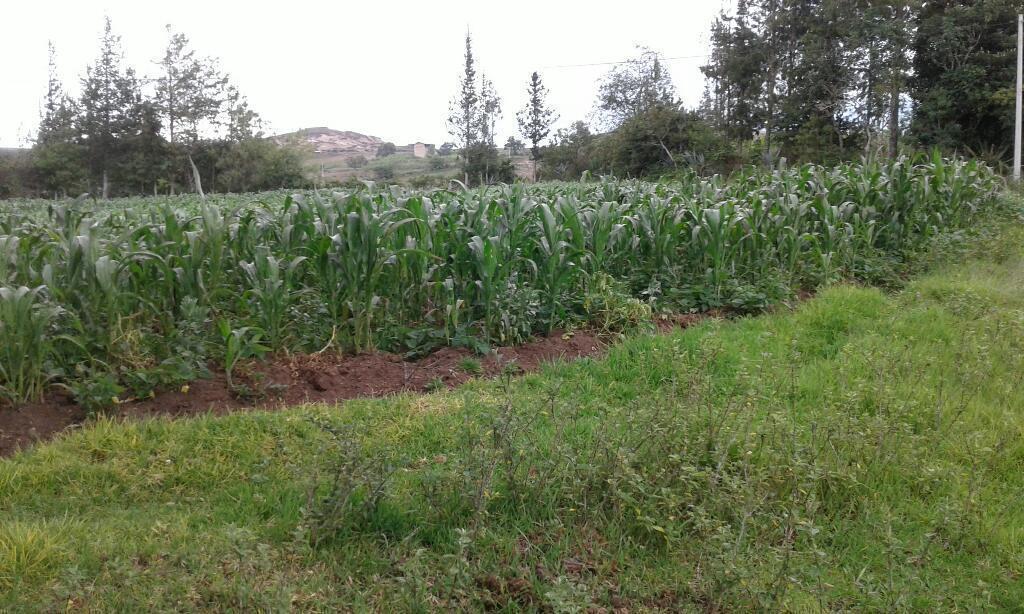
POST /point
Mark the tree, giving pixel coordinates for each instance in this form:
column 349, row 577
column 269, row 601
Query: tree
column 788, row 69
column 258, row 164
column 490, row 111
column 384, row 172
column 464, row 112
column 896, row 33
column 243, row 123
column 446, row 148
column 16, row 174
column 962, row 86
column 386, row 149
column 647, row 144
column 471, row 121
column 483, row 165
column 633, row 87
column 114, row 140
column 741, row 72
column 191, row 94
column 514, row 146
column 570, row 154
column 109, row 96
column 536, row 118
column 57, row 156
column 144, row 154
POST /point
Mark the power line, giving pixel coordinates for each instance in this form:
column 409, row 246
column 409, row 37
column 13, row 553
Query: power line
column 675, row 57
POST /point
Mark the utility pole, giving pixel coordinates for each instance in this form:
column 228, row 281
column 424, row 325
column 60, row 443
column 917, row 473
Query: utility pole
column 1020, row 68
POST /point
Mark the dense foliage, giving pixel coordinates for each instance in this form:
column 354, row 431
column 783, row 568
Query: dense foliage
column 823, row 80
column 142, row 293
column 184, row 129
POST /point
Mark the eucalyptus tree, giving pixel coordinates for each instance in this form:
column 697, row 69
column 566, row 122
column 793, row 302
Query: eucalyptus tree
column 490, row 111
column 633, row 87
column 191, row 95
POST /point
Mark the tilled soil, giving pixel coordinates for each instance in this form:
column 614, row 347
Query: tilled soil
column 287, row 380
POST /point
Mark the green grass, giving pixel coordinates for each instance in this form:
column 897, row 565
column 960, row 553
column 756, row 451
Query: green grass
column 864, row 451
column 404, row 168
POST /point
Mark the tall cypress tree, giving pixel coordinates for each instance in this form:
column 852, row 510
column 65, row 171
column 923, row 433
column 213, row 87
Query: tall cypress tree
column 464, row 111
column 490, row 111
column 110, row 94
column 536, row 118
column 57, row 155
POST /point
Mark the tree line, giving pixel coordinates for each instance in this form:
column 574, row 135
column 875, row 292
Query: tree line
column 184, row 128
column 833, row 78
column 806, row 80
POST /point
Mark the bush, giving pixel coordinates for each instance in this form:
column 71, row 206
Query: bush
column 570, row 155
column 483, row 166
column 258, row 164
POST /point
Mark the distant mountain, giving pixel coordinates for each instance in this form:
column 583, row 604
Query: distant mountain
column 12, row 151
column 335, row 143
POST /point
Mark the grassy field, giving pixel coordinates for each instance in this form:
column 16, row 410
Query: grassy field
column 863, row 451
column 402, row 168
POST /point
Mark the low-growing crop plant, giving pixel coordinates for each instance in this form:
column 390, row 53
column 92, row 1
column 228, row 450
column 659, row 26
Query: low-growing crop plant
column 611, row 309
column 95, row 390
column 471, row 366
column 239, row 344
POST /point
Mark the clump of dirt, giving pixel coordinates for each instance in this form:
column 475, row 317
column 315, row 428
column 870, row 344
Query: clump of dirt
column 669, row 322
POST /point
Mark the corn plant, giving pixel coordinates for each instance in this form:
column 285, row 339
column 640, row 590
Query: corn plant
column 24, row 343
column 376, row 267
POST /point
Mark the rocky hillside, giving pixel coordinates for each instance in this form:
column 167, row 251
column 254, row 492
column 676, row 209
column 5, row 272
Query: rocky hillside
column 335, row 143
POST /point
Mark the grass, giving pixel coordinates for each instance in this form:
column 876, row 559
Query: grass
column 401, row 168
column 471, row 366
column 863, row 451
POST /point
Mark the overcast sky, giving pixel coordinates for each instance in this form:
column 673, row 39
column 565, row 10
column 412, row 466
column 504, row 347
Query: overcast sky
column 379, row 67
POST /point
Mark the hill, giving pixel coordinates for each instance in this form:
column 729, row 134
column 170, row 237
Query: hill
column 336, row 143
column 343, row 155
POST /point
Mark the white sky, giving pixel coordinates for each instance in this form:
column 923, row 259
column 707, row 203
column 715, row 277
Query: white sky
column 385, row 68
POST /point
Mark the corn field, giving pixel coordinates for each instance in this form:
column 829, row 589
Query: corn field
column 140, row 294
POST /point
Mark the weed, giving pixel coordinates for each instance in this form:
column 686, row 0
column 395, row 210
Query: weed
column 471, row 366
